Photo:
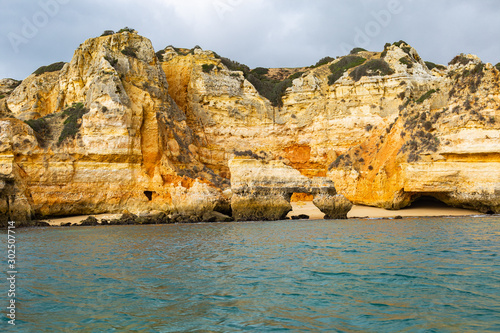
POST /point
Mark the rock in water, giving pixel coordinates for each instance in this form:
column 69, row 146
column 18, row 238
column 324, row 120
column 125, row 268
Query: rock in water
column 334, row 207
column 91, row 220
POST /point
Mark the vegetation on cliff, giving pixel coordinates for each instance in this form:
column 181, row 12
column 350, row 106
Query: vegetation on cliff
column 57, row 66
column 73, row 122
column 356, row 50
column 460, row 59
column 467, row 79
column 340, row 67
column 207, row 68
column 42, row 130
column 111, row 32
column 272, row 89
column 374, row 67
column 323, row 61
column 430, row 65
column 47, row 128
column 418, row 138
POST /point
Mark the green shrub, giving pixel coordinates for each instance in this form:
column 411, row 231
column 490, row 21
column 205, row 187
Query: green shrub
column 207, row 68
column 279, row 92
column 337, row 162
column 248, row 153
column 108, row 33
column 427, row 125
column 2, row 96
column 497, row 66
column 41, row 128
column 340, row 67
column 160, row 54
column 234, row 65
column 460, row 59
column 430, row 65
column 295, row 76
column 386, row 48
column 72, row 123
column 403, row 46
column 57, row 66
column 357, row 50
column 126, row 29
column 477, row 70
column 406, row 61
column 273, row 90
column 259, row 71
column 130, row 51
column 372, row 68
column 467, row 105
column 425, row 96
column 323, row 61
column 112, row 61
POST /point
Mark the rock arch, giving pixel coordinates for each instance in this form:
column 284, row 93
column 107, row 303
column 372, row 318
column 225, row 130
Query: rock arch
column 262, row 191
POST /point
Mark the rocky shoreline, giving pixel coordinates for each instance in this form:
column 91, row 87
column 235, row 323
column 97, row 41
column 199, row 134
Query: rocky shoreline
column 302, row 210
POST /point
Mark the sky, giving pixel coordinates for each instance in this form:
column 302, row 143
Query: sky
column 258, row 33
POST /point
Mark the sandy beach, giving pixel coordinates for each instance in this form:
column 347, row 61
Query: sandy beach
column 308, row 208
column 422, row 209
column 77, row 219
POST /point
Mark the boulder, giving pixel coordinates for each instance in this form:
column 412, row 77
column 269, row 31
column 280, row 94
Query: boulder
column 334, row 206
column 125, row 219
column 216, row 217
column 91, row 220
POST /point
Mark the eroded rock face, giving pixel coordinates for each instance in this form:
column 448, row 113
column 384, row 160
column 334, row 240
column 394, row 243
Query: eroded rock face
column 16, row 138
column 377, row 138
column 262, row 191
column 143, row 144
column 130, row 147
column 445, row 144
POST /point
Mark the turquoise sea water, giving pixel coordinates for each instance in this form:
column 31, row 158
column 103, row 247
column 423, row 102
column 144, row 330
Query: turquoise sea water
column 410, row 275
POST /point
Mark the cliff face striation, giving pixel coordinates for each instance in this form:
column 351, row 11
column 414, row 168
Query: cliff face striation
column 102, row 134
column 122, row 128
column 386, row 128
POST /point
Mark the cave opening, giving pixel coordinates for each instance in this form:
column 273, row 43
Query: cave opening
column 427, row 201
column 149, row 195
column 303, row 207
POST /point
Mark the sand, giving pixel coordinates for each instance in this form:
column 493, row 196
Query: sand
column 308, row 208
column 77, row 219
column 422, row 209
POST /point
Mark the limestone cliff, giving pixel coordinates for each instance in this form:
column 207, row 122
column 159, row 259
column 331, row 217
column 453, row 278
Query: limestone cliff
column 386, row 131
column 122, row 128
column 104, row 135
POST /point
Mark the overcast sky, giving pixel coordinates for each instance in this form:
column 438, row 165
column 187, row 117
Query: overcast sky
column 265, row 33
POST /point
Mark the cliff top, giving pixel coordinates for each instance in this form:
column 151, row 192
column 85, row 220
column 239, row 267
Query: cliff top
column 280, row 74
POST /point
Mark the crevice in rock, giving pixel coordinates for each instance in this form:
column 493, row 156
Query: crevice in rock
column 149, row 195
column 425, row 201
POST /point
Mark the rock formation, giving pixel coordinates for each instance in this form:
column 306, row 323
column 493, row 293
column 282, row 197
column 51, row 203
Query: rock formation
column 384, row 138
column 103, row 135
column 262, row 191
column 122, row 128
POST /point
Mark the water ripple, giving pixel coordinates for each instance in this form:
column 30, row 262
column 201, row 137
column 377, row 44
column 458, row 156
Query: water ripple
column 412, row 275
